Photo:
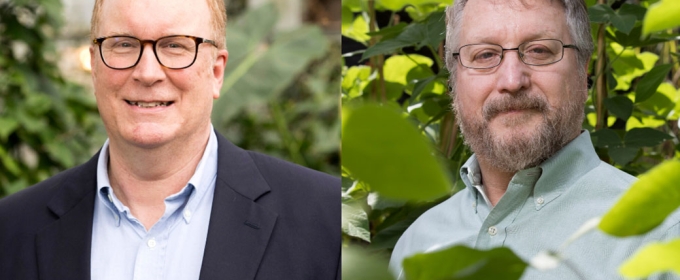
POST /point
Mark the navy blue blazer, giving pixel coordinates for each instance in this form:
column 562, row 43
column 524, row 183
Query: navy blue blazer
column 270, row 219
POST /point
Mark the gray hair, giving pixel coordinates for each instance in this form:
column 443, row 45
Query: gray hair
column 577, row 21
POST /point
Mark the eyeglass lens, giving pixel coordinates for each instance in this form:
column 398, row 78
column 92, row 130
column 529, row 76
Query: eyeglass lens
column 539, row 52
column 172, row 52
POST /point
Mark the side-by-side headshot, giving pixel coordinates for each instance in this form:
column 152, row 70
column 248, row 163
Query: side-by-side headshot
column 340, row 139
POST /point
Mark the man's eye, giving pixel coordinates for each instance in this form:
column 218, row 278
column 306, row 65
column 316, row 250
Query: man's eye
column 485, row 55
column 538, row 50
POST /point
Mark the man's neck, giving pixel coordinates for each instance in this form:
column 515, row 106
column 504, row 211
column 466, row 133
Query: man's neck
column 495, row 181
column 142, row 178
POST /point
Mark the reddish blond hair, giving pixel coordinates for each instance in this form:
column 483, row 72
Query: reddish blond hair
column 218, row 20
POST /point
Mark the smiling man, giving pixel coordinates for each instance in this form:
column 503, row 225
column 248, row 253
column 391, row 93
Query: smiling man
column 167, row 197
column 518, row 73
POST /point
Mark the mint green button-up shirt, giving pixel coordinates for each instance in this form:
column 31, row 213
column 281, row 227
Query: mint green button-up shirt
column 541, row 208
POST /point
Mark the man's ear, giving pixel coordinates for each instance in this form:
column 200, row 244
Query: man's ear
column 218, row 71
column 92, row 62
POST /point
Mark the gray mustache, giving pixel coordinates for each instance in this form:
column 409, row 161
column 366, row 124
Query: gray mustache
column 520, row 101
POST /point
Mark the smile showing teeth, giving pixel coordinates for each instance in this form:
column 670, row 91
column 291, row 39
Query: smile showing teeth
column 148, row 104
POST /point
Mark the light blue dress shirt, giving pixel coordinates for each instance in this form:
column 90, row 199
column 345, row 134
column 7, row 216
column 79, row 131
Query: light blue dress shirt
column 541, row 208
column 173, row 248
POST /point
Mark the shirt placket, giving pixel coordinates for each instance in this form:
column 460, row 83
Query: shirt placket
column 493, row 231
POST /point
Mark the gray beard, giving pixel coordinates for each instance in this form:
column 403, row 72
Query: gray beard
column 523, row 151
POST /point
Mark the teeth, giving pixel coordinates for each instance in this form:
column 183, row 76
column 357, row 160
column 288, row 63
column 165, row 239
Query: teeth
column 148, row 104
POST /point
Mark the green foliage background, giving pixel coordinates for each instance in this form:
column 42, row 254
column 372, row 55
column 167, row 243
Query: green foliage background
column 400, row 89
column 279, row 96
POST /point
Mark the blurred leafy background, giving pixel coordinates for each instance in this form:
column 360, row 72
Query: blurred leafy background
column 280, row 95
column 401, row 149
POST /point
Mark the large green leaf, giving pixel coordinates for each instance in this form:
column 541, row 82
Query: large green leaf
column 661, row 15
column 263, row 70
column 460, row 262
column 431, row 32
column 647, row 203
column 654, row 257
column 651, row 81
column 622, row 155
column 600, row 13
column 359, row 264
column 619, row 105
column 644, row 137
column 382, row 149
column 606, row 138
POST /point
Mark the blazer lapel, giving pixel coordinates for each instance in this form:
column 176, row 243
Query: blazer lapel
column 239, row 228
column 63, row 247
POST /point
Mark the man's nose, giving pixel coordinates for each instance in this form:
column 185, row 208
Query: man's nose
column 512, row 73
column 148, row 70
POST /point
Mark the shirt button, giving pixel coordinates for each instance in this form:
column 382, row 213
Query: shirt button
column 492, row 230
column 540, row 200
column 474, row 204
column 110, row 198
column 151, row 243
column 187, row 214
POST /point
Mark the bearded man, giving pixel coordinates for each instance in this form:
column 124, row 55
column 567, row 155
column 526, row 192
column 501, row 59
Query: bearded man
column 518, row 73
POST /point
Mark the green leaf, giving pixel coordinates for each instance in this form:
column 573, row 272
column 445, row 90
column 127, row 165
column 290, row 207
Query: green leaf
column 623, row 23
column 420, row 85
column 9, row 163
column 347, row 18
column 389, row 32
column 280, row 61
column 620, row 105
column 600, row 13
column 358, row 30
column 402, row 169
column 352, row 5
column 400, row 68
column 661, row 15
column 656, row 193
column 622, row 155
column 59, row 152
column 355, row 222
column 663, row 102
column 397, row 5
column 359, row 264
column 7, row 126
column 606, row 138
column 653, row 258
column 629, row 65
column 644, row 137
column 460, row 262
column 430, row 32
column 651, row 81
column 355, row 79
column 635, row 10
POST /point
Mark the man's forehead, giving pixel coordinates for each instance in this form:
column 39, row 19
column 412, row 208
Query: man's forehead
column 491, row 20
column 170, row 17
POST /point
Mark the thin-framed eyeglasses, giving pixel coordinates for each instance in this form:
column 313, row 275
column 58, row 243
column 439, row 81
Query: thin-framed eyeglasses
column 537, row 52
column 174, row 52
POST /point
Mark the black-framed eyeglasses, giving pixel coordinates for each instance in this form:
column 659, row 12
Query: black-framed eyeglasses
column 174, row 52
column 536, row 52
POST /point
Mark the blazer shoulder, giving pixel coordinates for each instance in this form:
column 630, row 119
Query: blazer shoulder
column 29, row 207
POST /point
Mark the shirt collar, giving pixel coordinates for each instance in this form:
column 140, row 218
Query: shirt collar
column 566, row 166
column 205, row 173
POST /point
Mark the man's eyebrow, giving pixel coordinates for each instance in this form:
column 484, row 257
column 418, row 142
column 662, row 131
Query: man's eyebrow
column 492, row 39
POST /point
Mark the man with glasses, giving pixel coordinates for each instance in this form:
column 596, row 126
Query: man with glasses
column 518, row 74
column 167, row 197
